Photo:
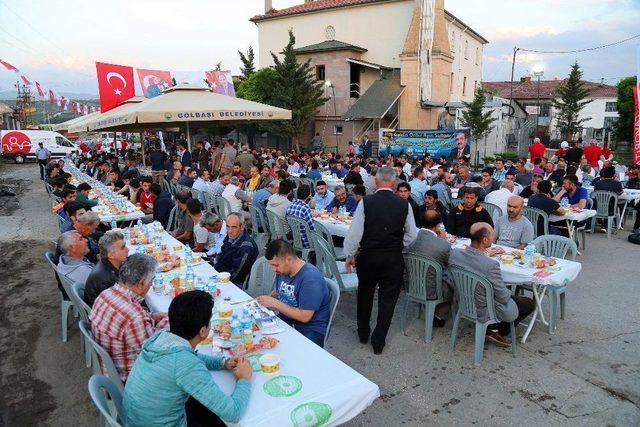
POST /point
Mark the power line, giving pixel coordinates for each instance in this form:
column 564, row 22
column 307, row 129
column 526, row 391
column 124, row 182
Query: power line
column 580, row 50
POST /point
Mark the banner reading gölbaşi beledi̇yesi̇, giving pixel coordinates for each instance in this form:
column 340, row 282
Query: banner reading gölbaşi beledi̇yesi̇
column 418, row 142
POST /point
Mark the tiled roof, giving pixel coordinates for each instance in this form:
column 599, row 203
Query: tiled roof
column 329, row 45
column 528, row 89
column 312, row 7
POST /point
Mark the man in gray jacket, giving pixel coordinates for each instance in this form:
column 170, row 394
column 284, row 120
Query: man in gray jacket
column 73, row 263
column 508, row 308
column 432, row 244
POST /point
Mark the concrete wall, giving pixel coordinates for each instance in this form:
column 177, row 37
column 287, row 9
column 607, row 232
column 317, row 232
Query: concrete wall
column 380, row 28
column 469, row 66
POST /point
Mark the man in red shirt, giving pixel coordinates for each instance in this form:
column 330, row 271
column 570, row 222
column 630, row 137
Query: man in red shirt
column 145, row 197
column 592, row 153
column 119, row 321
column 537, row 150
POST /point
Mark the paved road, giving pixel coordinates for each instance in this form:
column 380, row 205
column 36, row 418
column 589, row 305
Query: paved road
column 586, row 374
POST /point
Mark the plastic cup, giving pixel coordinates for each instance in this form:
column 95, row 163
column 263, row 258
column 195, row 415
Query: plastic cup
column 224, row 277
column 270, row 363
column 225, row 310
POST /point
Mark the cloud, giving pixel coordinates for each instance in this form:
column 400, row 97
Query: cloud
column 512, row 33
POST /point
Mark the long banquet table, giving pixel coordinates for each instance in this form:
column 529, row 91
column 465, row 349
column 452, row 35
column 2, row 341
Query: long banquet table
column 560, row 275
column 312, row 388
column 127, row 210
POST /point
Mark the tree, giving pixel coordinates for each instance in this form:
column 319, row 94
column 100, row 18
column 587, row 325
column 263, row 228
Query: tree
column 569, row 101
column 218, row 66
column 296, row 89
column 476, row 119
column 248, row 67
column 257, row 87
column 623, row 129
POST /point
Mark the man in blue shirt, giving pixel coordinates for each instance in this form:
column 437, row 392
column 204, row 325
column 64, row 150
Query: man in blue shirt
column 301, row 294
column 261, row 197
column 323, row 197
column 577, row 196
column 314, row 173
column 43, row 155
column 419, row 185
column 342, row 199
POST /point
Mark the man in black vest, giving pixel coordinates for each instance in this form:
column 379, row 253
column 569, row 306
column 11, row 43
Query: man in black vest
column 383, row 225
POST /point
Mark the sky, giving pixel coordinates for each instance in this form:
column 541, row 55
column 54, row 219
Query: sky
column 58, row 42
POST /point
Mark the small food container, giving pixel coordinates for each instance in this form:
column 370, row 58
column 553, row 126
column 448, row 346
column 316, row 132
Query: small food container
column 507, row 259
column 224, row 277
column 270, row 363
column 225, row 310
column 177, row 248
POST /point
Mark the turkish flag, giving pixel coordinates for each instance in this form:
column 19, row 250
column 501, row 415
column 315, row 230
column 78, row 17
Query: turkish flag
column 25, row 80
column 153, row 82
column 8, row 66
column 40, row 91
column 52, row 97
column 115, row 84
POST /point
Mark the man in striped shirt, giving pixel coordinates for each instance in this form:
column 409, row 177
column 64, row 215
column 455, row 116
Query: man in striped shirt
column 119, row 322
column 300, row 209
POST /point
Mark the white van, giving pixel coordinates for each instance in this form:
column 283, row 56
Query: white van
column 20, row 145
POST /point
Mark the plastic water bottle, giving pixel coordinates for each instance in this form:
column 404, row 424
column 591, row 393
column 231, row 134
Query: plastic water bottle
column 564, row 202
column 236, row 329
column 528, row 254
column 139, row 223
column 114, row 224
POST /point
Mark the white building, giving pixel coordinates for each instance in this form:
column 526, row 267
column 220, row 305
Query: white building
column 601, row 111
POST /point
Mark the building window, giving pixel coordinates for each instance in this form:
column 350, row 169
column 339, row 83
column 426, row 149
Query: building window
column 320, row 72
column 337, row 130
column 475, row 86
column 545, row 108
column 464, row 86
column 466, row 49
column 477, row 56
column 354, row 80
column 610, row 121
column 451, row 84
column 610, row 107
column 453, row 41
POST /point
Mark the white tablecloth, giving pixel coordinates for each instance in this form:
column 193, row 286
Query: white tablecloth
column 563, row 272
column 328, row 179
column 106, row 217
column 628, row 194
column 335, row 227
column 574, row 216
column 329, row 387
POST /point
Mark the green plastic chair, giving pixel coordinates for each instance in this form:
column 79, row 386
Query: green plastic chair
column 276, row 226
column 334, row 295
column 327, row 264
column 298, row 226
column 224, row 207
column 66, row 305
column 258, row 223
column 99, row 354
column 107, row 398
column 336, row 252
column 494, row 210
column 605, row 201
column 465, row 284
column 171, row 223
column 563, row 248
column 77, row 296
column 210, row 203
column 535, row 216
column 417, row 271
column 261, row 279
column 195, row 194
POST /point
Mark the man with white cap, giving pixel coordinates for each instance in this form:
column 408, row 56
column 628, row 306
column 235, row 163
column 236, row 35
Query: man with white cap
column 562, row 151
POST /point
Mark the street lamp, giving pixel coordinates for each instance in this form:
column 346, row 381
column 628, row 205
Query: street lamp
column 335, row 109
column 538, row 71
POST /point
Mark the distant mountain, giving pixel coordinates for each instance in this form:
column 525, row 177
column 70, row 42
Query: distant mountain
column 10, row 95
